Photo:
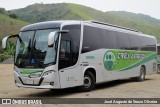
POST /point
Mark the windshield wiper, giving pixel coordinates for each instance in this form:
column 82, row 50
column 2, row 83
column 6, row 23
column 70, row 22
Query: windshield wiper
column 27, row 52
column 35, row 54
column 29, row 45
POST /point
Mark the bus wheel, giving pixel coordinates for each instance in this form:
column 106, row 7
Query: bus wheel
column 142, row 74
column 88, row 82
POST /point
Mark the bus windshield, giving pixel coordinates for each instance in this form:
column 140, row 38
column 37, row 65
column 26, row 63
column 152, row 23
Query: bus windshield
column 32, row 49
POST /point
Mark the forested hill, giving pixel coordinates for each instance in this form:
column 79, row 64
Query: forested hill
column 12, row 21
column 9, row 23
column 61, row 11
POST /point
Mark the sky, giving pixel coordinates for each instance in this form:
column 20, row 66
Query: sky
column 148, row 7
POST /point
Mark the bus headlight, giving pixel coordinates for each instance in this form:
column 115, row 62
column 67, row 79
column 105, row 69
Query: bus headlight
column 47, row 73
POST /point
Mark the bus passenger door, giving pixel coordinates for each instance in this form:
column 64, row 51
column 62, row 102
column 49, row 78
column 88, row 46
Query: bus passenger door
column 70, row 75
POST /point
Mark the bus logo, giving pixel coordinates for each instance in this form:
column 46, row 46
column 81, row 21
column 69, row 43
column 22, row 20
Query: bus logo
column 6, row 101
column 109, row 60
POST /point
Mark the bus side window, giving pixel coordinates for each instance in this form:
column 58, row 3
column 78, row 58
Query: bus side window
column 134, row 42
column 122, row 41
column 65, row 56
column 65, row 51
column 158, row 50
column 72, row 39
column 148, row 44
column 91, row 39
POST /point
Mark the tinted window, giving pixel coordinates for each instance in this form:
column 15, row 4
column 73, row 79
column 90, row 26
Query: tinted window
column 134, row 42
column 108, row 39
column 91, row 39
column 65, row 56
column 122, row 41
column 70, row 42
column 158, row 50
column 148, row 44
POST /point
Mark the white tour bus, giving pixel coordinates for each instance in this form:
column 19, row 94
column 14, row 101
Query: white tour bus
column 62, row 54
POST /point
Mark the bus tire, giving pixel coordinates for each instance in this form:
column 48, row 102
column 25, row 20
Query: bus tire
column 88, row 82
column 142, row 75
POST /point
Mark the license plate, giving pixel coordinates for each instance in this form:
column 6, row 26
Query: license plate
column 29, row 81
column 34, row 75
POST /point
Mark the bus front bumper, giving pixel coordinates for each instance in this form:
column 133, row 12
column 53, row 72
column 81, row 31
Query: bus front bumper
column 47, row 82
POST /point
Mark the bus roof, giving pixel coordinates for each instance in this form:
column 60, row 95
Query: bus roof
column 47, row 25
column 117, row 28
column 108, row 24
column 59, row 23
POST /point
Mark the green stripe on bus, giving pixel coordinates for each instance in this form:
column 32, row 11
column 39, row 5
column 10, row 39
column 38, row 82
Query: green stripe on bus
column 149, row 58
column 30, row 71
column 121, row 60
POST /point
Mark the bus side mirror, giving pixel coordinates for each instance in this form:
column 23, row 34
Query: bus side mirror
column 4, row 40
column 51, row 37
